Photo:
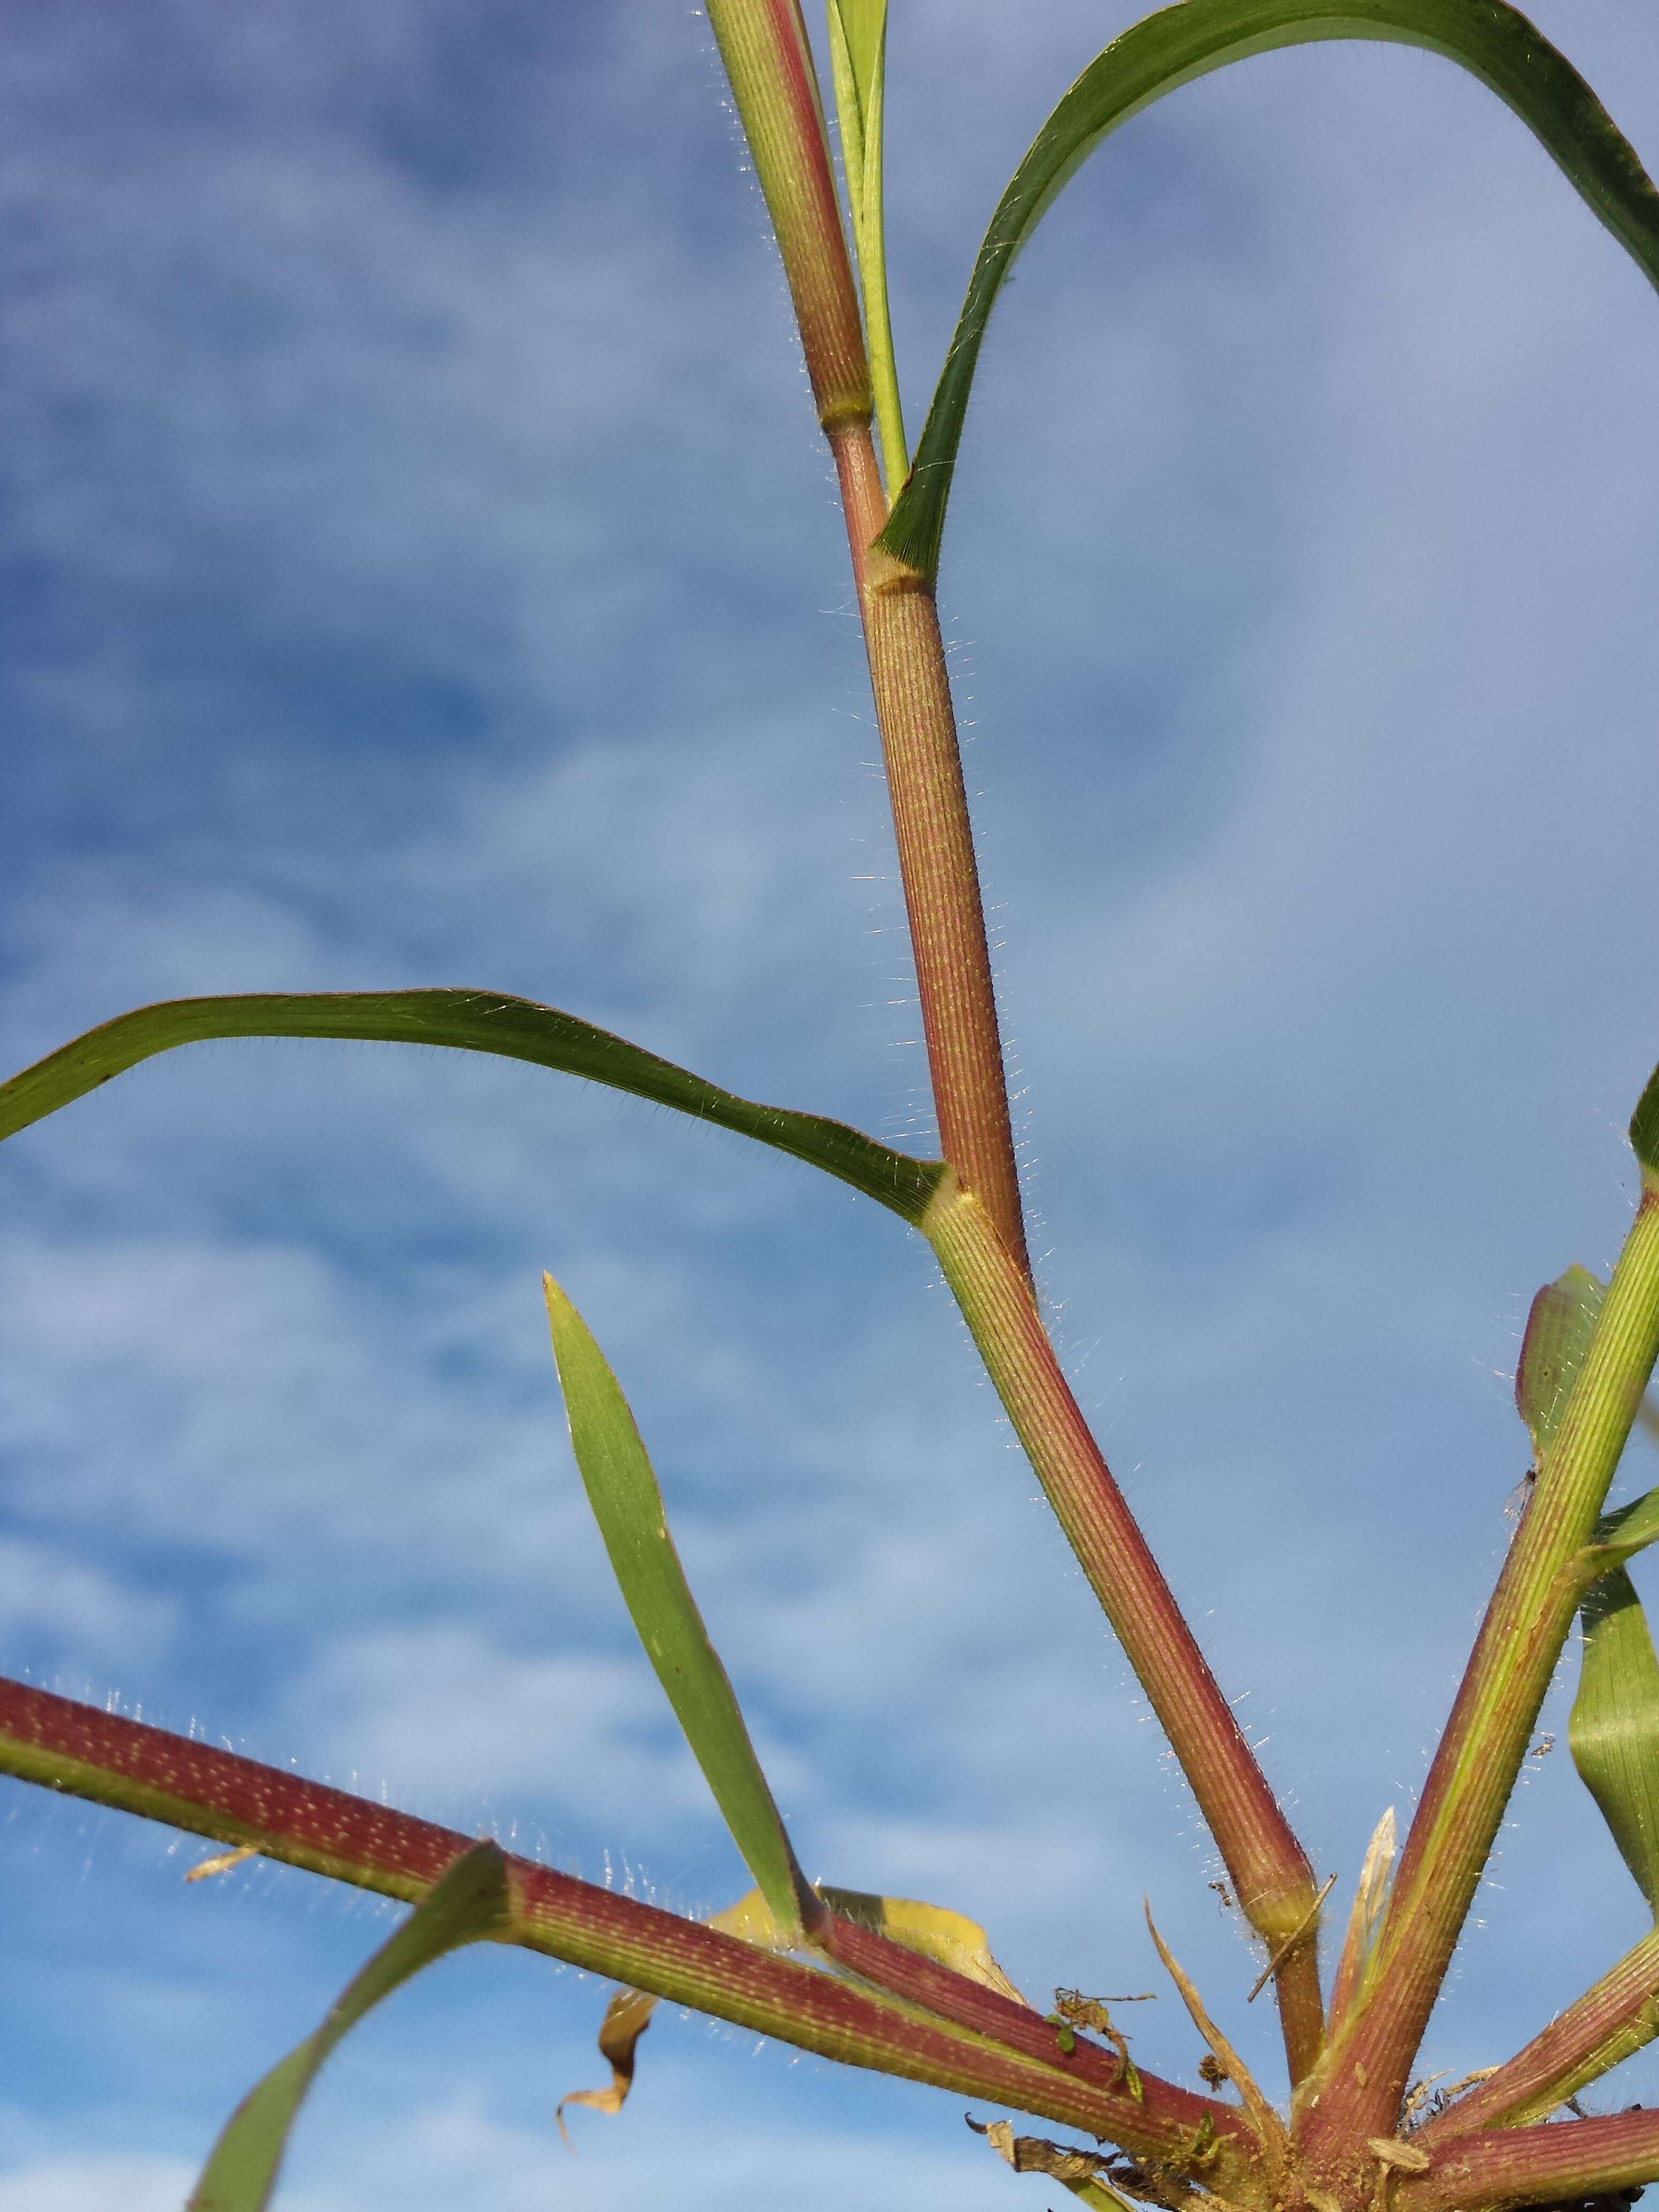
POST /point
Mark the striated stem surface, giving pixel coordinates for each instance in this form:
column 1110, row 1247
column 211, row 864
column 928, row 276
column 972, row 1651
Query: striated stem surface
column 942, row 901
column 132, row 1767
column 1269, row 1869
column 1564, row 2164
column 1616, row 2017
column 1496, row 1706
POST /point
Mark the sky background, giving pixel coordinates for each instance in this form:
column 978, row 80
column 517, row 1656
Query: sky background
column 419, row 566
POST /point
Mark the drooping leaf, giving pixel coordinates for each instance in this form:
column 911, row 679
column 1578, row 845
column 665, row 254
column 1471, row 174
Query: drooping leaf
column 466, row 1021
column 1180, row 43
column 949, row 1938
column 1559, row 1332
column 470, row 1903
column 857, row 52
column 628, row 1505
column 1614, row 1727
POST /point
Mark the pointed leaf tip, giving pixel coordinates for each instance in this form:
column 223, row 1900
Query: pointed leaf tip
column 627, row 1503
column 470, row 1902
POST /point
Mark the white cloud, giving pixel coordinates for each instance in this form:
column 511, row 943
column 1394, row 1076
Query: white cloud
column 94, row 2184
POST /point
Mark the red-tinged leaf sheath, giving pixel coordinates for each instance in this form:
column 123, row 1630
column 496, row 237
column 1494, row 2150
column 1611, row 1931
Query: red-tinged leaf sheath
column 935, row 837
column 1567, row 2162
column 1269, row 1869
column 1474, row 1767
column 764, row 48
column 131, row 1767
column 1616, row 2017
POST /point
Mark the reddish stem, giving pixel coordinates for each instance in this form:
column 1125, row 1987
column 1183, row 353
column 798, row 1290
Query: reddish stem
column 1566, row 2162
column 1618, row 2015
column 126, row 1763
column 935, row 838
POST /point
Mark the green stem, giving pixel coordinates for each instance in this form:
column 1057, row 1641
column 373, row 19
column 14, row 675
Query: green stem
column 1485, row 1739
column 131, row 1767
column 861, row 113
column 1269, row 1869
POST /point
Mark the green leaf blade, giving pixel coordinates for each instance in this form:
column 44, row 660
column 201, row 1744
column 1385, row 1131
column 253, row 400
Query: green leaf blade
column 467, row 1021
column 468, row 1904
column 858, row 49
column 628, row 1505
column 1493, row 41
column 1615, row 1728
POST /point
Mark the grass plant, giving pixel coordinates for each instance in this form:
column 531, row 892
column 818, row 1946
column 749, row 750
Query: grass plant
column 912, row 1988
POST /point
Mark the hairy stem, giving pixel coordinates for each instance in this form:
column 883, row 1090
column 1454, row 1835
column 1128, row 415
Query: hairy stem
column 134, row 1768
column 1269, row 1869
column 768, row 63
column 1567, row 2163
column 1616, row 2017
column 935, row 839
column 1485, row 1739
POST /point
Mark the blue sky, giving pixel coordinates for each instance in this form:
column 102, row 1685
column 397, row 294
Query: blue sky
column 419, row 566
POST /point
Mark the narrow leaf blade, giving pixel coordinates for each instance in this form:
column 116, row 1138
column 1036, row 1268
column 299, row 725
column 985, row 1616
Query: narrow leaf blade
column 858, row 47
column 466, row 1021
column 1614, row 1727
column 628, row 1505
column 1495, row 42
column 470, row 1902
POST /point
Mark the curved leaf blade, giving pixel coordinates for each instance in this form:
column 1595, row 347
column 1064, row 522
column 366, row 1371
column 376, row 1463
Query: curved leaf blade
column 1619, row 1536
column 1493, row 41
column 466, row 1021
column 1614, row 1727
column 470, row 1903
column 628, row 1505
